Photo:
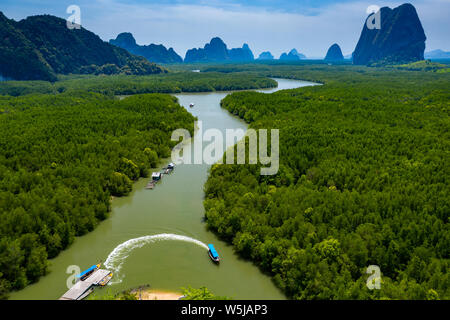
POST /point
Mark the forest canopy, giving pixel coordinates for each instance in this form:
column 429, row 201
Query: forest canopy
column 363, row 180
column 126, row 85
column 63, row 157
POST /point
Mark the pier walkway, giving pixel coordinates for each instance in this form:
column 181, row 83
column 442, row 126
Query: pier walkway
column 81, row 289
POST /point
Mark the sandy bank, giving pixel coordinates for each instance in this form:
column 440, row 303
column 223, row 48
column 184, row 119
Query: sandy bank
column 157, row 295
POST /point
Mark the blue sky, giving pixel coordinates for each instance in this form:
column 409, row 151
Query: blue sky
column 310, row 26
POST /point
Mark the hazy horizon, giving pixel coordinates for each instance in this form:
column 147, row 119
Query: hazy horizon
column 309, row 26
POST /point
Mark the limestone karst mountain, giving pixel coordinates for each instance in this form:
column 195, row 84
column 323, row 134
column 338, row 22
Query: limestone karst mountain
column 153, row 52
column 401, row 38
column 217, row 51
column 334, row 53
column 40, row 47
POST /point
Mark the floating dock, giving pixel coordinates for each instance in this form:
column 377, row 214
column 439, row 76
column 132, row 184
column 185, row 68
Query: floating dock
column 82, row 289
column 157, row 176
column 150, row 185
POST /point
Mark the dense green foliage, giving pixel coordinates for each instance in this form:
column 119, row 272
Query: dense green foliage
column 40, row 47
column 62, row 157
column 363, row 180
column 363, row 177
column 18, row 57
column 320, row 73
column 257, row 67
column 424, row 65
column 200, row 294
column 125, row 85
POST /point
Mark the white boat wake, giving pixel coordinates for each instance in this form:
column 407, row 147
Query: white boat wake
column 122, row 251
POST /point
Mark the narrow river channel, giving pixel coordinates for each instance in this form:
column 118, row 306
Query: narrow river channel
column 168, row 226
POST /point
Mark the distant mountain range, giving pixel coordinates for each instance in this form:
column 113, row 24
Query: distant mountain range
column 216, row 51
column 401, row 38
column 293, row 55
column 266, row 55
column 437, row 54
column 154, row 53
column 40, row 47
column 243, row 54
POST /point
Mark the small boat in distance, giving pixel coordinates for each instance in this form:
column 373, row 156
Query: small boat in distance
column 105, row 280
column 192, row 105
column 213, row 253
column 169, row 168
column 156, row 176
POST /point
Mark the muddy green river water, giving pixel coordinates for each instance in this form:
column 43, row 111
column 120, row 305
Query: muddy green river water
column 158, row 237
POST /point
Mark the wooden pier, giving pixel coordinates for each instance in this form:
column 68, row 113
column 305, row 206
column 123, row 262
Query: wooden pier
column 82, row 289
column 150, row 185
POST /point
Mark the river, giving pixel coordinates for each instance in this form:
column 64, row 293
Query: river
column 173, row 211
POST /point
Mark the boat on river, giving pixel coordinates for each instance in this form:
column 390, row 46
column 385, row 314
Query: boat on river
column 105, row 280
column 168, row 169
column 191, row 105
column 213, row 253
column 156, row 176
column 87, row 280
column 86, row 273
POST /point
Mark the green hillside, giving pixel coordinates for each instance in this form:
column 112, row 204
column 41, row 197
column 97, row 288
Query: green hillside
column 39, row 47
column 62, row 159
column 363, row 180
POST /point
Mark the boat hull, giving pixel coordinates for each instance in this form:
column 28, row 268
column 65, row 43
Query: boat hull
column 216, row 260
column 105, row 280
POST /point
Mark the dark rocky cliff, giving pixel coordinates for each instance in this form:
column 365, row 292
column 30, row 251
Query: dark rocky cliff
column 40, row 47
column 154, row 53
column 243, row 54
column 400, row 39
column 266, row 55
column 293, row 55
column 217, row 51
column 334, row 53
